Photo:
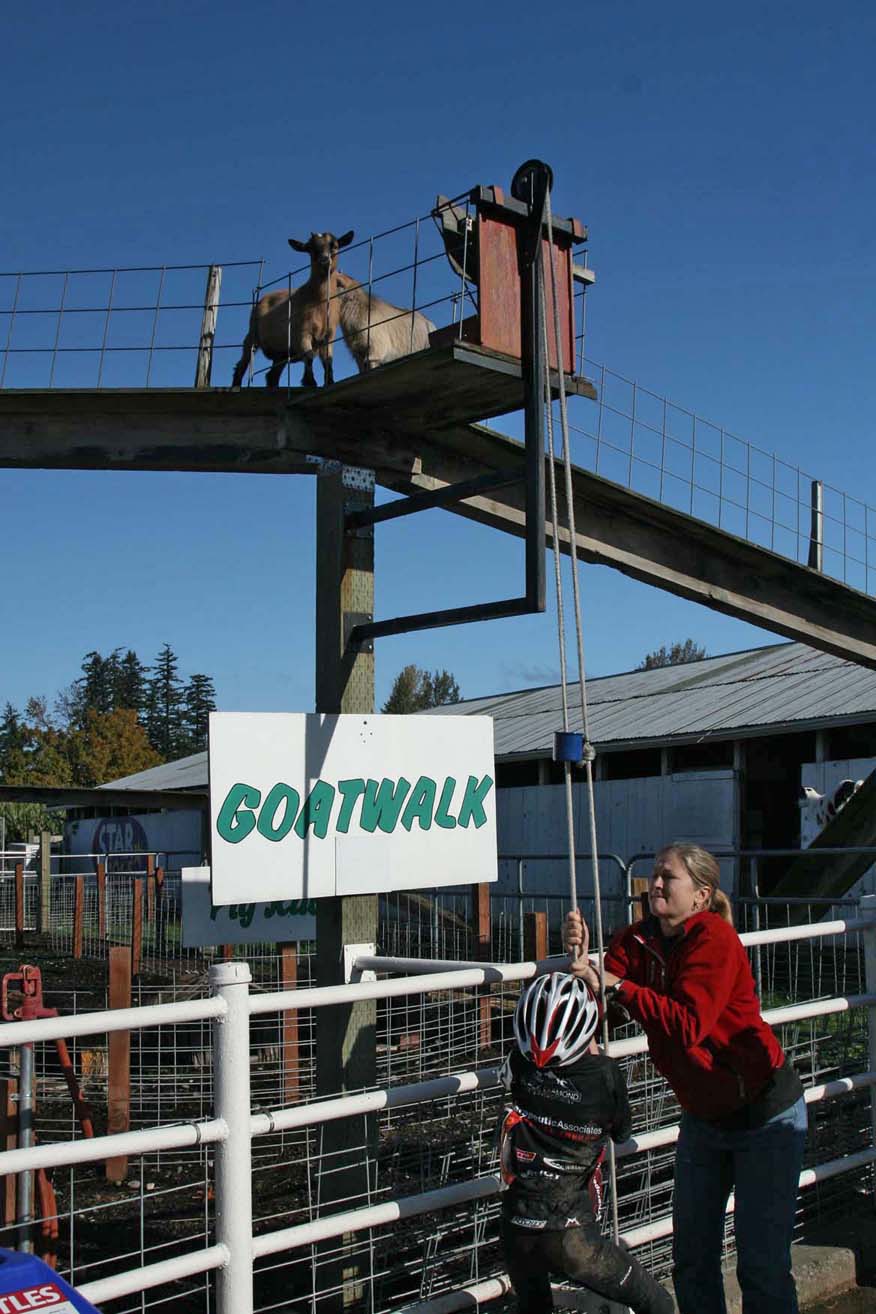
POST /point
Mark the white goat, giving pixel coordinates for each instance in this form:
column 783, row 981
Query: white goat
column 289, row 326
column 375, row 330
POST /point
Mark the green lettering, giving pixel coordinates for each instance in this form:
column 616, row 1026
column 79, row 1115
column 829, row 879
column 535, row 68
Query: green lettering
column 236, row 817
column 382, row 804
column 350, row 791
column 246, row 912
column 214, row 912
column 283, row 795
column 317, row 811
column 420, row 804
column 472, row 806
column 442, row 816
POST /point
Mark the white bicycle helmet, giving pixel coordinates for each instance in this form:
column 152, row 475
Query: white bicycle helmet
column 555, row 1019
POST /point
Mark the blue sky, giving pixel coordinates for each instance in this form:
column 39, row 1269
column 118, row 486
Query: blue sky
column 722, row 157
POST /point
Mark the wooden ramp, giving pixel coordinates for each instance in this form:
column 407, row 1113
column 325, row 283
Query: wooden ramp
column 854, row 826
column 413, row 423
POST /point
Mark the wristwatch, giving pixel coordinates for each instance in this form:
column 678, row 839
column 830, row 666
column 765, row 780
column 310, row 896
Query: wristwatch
column 611, row 991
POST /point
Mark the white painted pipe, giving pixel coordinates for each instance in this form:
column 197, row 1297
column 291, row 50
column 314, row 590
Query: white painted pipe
column 661, row 1227
column 391, row 1211
column 463, row 1298
column 774, row 1016
column 782, row 934
column 325, row 996
column 377, row 963
column 812, row 1095
column 231, row 1102
column 309, row 1115
column 62, row 1153
column 154, row 1275
column 116, row 1019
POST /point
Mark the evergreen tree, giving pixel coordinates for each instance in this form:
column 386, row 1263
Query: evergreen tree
column 415, row 689
column 199, row 700
column 164, row 705
column 13, row 742
column 676, row 655
column 129, row 683
column 94, row 688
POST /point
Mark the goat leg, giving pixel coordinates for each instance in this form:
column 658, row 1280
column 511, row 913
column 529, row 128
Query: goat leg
column 274, row 374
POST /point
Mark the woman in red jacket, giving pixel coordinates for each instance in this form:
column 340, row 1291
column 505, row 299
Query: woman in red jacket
column 683, row 974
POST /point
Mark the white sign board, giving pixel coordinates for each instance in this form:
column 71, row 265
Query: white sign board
column 308, row 807
column 203, row 923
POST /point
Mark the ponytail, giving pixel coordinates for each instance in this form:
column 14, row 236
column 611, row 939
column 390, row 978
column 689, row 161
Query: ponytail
column 721, row 905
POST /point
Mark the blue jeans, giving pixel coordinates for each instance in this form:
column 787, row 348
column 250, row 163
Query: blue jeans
column 763, row 1166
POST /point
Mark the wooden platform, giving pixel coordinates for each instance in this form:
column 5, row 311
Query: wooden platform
column 411, row 423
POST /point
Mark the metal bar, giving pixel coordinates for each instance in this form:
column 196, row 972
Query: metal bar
column 232, row 1101
column 147, row 1140
column 155, row 1275
column 816, row 526
column 123, row 1019
column 58, row 331
column 431, row 620
column 9, row 331
column 106, row 324
column 24, row 1212
column 407, row 506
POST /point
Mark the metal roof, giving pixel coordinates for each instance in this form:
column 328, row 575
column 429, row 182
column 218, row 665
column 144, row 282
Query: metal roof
column 185, row 773
column 786, row 685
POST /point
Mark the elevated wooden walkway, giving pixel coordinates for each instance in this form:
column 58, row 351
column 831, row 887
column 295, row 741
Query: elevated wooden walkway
column 412, row 423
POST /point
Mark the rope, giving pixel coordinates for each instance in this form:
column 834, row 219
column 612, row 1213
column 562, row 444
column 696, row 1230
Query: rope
column 589, row 752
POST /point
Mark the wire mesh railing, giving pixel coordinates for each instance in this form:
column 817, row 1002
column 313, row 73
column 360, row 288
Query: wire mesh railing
column 165, row 1208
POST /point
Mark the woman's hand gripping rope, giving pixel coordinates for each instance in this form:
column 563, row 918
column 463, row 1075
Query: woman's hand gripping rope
column 576, row 942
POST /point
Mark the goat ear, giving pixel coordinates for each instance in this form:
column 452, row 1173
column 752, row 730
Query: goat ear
column 298, row 246
column 347, row 238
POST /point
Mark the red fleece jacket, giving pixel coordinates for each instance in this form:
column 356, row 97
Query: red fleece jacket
column 698, row 1007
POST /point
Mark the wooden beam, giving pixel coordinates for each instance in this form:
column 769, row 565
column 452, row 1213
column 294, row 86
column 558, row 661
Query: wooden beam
column 119, row 1061
column 662, row 547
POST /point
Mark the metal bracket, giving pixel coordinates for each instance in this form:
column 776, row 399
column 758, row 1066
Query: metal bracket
column 351, row 953
column 352, row 622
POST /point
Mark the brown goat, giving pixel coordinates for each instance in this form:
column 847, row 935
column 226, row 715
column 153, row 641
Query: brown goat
column 289, row 326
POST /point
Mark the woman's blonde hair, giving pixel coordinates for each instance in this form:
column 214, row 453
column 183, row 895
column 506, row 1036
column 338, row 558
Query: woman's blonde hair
column 705, row 873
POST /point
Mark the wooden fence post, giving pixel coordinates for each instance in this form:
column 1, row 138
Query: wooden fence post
column 639, row 889
column 45, row 882
column 19, row 904
column 483, row 953
column 8, row 1141
column 535, row 936
column 137, row 925
column 101, row 901
column 208, row 327
column 119, row 1061
column 291, row 1051
column 78, row 914
column 150, row 887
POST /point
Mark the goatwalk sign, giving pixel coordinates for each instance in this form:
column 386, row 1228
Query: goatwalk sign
column 313, row 806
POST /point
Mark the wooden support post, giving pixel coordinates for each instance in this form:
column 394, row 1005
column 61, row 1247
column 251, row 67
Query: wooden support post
column 483, row 952
column 8, row 1141
column 45, row 882
column 227, row 952
column 535, row 936
column 101, row 901
column 291, row 1052
column 346, row 1041
column 119, row 1052
column 19, row 904
column 136, row 924
column 208, row 327
column 78, row 914
column 639, row 889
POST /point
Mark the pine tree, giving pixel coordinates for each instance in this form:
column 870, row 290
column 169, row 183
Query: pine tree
column 414, row 690
column 94, row 688
column 13, row 742
column 129, row 683
column 164, row 705
column 199, row 700
column 676, row 655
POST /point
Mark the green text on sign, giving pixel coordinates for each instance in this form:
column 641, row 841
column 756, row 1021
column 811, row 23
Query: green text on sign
column 358, row 806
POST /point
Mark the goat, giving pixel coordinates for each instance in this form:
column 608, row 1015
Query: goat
column 376, row 331
column 288, row 326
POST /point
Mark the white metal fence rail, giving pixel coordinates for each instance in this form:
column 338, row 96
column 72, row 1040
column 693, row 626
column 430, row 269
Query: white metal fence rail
column 231, row 1130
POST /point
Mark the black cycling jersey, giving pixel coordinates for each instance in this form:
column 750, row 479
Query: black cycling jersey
column 553, row 1138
